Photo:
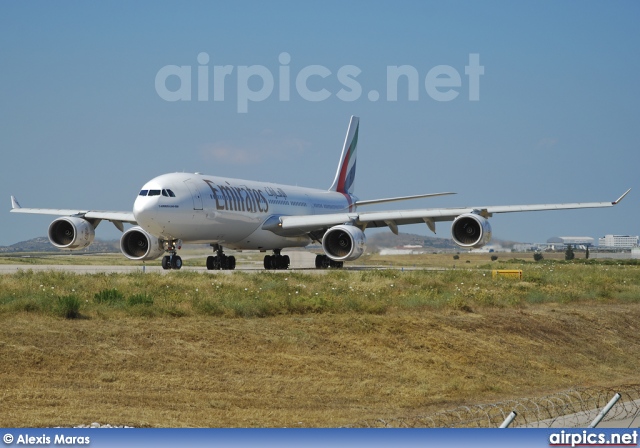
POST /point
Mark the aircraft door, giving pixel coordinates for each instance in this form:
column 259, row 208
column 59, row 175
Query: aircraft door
column 195, row 194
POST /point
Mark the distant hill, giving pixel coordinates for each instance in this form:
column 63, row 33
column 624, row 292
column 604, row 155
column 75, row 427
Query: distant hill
column 389, row 240
column 42, row 244
column 375, row 241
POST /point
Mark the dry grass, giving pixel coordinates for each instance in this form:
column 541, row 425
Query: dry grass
column 294, row 349
column 316, row 370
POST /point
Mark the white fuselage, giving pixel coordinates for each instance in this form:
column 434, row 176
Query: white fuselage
column 197, row 208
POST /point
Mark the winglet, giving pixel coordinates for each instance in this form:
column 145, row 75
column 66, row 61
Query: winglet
column 14, row 203
column 621, row 197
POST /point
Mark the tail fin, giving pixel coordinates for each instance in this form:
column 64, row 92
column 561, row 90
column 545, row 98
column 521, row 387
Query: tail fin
column 343, row 182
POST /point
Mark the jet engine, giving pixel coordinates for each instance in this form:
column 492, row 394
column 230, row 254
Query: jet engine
column 471, row 230
column 136, row 244
column 71, row 233
column 344, row 243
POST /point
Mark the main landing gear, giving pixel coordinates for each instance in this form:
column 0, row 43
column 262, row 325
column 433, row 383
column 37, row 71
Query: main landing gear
column 173, row 260
column 276, row 261
column 220, row 260
column 324, row 262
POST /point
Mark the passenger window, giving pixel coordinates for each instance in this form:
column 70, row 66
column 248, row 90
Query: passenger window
column 143, row 192
column 154, row 192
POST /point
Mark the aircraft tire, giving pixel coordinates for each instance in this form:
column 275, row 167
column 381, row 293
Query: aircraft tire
column 166, row 262
column 176, row 262
column 322, row 262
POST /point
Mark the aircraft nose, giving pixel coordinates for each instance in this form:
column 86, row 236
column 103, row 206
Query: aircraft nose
column 144, row 210
column 140, row 206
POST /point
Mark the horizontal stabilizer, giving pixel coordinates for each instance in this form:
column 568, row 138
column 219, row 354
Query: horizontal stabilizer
column 400, row 198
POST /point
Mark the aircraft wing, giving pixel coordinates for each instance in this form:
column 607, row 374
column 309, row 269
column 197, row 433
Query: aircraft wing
column 114, row 216
column 394, row 218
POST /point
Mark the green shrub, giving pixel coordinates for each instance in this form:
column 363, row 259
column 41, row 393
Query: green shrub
column 109, row 296
column 68, row 307
column 140, row 299
column 569, row 254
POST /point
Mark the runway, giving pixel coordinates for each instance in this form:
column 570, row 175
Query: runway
column 301, row 261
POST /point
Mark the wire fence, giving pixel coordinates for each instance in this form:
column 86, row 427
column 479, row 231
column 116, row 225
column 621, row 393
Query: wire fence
column 569, row 409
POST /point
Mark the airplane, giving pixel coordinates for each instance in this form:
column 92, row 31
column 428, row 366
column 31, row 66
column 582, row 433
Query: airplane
column 178, row 208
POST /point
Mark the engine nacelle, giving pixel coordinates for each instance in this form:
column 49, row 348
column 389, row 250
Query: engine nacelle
column 471, row 230
column 71, row 233
column 344, row 243
column 136, row 244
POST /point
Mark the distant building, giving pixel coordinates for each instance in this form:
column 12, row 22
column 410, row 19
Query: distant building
column 618, row 241
column 524, row 247
column 573, row 240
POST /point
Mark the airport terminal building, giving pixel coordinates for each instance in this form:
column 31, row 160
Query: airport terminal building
column 618, row 241
column 573, row 240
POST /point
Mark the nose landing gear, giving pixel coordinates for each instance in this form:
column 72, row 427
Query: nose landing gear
column 173, row 260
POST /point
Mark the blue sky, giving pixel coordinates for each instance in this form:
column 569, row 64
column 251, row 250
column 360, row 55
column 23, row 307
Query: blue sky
column 556, row 120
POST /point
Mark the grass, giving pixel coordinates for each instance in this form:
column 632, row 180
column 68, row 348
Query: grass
column 265, row 294
column 300, row 349
column 313, row 370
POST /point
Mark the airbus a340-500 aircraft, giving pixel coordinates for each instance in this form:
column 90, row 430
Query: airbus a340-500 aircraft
column 178, row 208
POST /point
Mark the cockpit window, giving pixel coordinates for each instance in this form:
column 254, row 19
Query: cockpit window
column 164, row 192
